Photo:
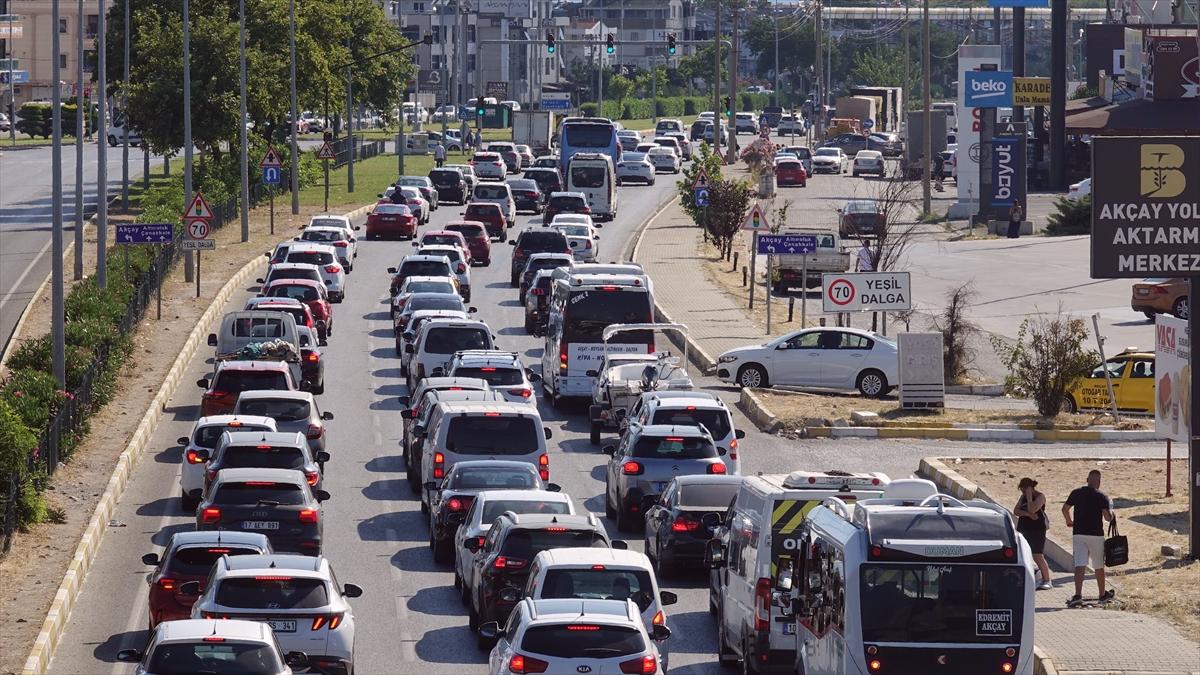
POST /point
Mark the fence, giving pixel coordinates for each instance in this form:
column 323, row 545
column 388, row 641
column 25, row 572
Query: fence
column 363, row 150
column 71, row 418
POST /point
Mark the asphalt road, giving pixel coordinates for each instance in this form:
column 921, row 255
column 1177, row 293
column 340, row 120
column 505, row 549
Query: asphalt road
column 410, row 619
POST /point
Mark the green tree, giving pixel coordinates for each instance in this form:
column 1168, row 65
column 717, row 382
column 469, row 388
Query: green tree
column 699, row 66
column 618, row 88
column 1047, row 358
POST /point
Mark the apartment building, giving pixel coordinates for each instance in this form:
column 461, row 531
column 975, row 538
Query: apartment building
column 27, row 40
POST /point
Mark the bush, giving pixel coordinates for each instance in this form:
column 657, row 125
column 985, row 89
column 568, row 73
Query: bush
column 957, row 332
column 33, row 395
column 34, row 119
column 1070, row 217
column 1047, row 359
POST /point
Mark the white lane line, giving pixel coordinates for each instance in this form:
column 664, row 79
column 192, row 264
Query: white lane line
column 25, row 272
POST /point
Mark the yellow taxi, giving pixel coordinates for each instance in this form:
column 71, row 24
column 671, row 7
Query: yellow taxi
column 1132, row 379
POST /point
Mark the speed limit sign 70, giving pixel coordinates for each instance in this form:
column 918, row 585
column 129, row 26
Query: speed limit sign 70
column 198, row 229
column 866, row 292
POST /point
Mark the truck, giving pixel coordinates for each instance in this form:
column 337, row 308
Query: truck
column 805, row 270
column 890, row 109
column 915, row 143
column 857, row 107
column 533, row 128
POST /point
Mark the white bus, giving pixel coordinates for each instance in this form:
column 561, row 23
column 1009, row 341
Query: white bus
column 581, row 307
column 592, row 174
column 915, row 582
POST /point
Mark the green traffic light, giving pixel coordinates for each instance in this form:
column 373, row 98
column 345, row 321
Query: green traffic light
column 549, row 49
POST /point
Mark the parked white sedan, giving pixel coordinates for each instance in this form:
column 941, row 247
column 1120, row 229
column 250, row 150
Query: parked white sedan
column 823, row 358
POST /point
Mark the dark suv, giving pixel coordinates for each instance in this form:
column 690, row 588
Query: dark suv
column 276, row 502
column 565, row 202
column 547, row 179
column 849, row 143
column 450, row 184
column 503, row 560
column 534, row 241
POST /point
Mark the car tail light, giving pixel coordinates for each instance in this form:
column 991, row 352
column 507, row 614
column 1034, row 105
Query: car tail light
column 310, row 516
column 166, row 583
column 544, row 466
column 313, row 356
column 315, row 431
column 525, row 393
column 538, row 291
column 455, row 504
column 478, row 540
column 212, row 475
column 341, row 244
column 762, row 604
column 521, row 664
column 875, row 665
column 586, row 209
column 193, row 457
column 562, row 357
column 631, row 469
column 588, row 244
column 1162, row 290
column 311, row 477
column 506, row 563
column 333, row 269
column 214, row 638
column 439, row 465
column 462, row 267
column 210, row 516
column 331, row 621
column 659, row 619
column 717, row 468
column 685, row 523
column 644, row 665
column 1006, row 667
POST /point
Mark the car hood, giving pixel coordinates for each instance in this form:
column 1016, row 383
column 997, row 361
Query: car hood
column 742, row 352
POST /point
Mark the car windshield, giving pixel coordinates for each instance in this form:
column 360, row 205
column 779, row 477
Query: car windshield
column 497, row 377
column 589, row 135
column 429, row 287
column 827, row 152
column 589, row 312
column 434, row 239
column 310, row 257
column 540, row 241
column 572, row 641
column 297, row 313
column 450, row 339
column 258, row 327
column 498, row 435
column 494, row 507
column 224, row 658
column 261, row 457
column 294, row 291
column 673, row 447
column 280, row 409
column 198, row 560
column 525, row 544
column 258, row 492
column 588, row 176
column 488, row 191
column 715, row 420
column 425, row 268
column 323, row 235
column 567, row 202
column 237, row 381
column 941, row 603
column 272, row 592
column 492, row 478
column 599, row 583
column 789, row 165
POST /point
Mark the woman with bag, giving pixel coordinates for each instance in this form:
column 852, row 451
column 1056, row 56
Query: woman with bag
column 1032, row 523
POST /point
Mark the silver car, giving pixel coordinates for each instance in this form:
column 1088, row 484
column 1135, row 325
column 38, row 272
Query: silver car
column 211, row 645
column 647, row 459
column 293, row 411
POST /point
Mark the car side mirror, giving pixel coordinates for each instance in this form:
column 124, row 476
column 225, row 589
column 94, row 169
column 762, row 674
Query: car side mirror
column 620, row 544
column 649, row 502
column 660, row 633
column 547, row 432
column 472, row 310
column 491, row 631
column 129, row 656
column 512, row 242
column 203, row 454
column 739, row 434
column 407, row 413
column 380, row 195
column 322, row 456
column 419, row 430
column 783, row 580
column 714, row 554
column 609, row 449
column 150, row 559
column 510, row 594
column 260, row 280
column 392, row 270
column 553, row 487
column 534, row 377
column 711, row 520
column 212, row 339
column 202, row 383
column 327, row 416
column 403, row 400
column 321, row 495
column 592, row 373
column 472, row 544
column 438, row 372
column 296, row 659
column 189, row 588
column 182, row 440
column 430, row 485
column 352, row 590
column 667, row 597
column 357, row 228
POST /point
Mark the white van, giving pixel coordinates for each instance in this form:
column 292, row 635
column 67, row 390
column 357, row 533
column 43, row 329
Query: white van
column 499, row 194
column 761, row 530
column 592, row 173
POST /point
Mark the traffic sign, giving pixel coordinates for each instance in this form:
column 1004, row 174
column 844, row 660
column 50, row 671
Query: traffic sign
column 198, row 209
column 198, row 228
column 198, row 245
column 271, row 159
column 145, row 233
column 326, row 151
column 756, row 220
column 700, row 196
column 556, row 101
column 272, row 175
column 868, row 123
column 866, row 292
column 786, row 244
column 701, row 180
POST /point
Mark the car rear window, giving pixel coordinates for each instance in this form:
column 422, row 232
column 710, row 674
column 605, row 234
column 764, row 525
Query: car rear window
column 310, row 257
column 707, row 495
column 673, row 447
column 207, row 437
column 540, row 241
column 323, row 235
column 425, row 268
column 789, row 165
column 563, row 203
column 493, row 508
column 293, row 273
column 297, row 313
column 445, row 177
column 599, row 583
column 249, row 494
column 272, row 592
column 486, row 157
column 440, row 239
column 483, row 211
column 450, row 339
column 237, row 381
column 468, row 231
column 198, row 560
column 294, row 291
column 546, row 264
column 572, row 641
column 454, row 255
column 393, row 209
column 225, row 658
column 491, row 191
column 445, row 301
column 258, row 327
column 498, row 377
column 492, row 478
column 524, row 544
column 716, row 421
column 523, row 184
column 429, row 287
column 280, row 409
column 326, row 222
column 261, row 457
column 500, row 435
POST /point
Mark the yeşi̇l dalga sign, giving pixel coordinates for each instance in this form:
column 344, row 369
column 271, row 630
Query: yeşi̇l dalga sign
column 1145, row 206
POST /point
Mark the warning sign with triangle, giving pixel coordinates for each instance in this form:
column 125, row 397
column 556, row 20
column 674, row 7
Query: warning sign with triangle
column 326, row 151
column 756, row 220
column 271, row 160
column 701, row 180
column 198, row 209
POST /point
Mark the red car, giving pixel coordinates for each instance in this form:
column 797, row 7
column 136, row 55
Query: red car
column 790, row 172
column 477, row 238
column 490, row 215
column 388, row 219
column 189, row 556
column 234, row 377
column 311, row 293
column 447, row 238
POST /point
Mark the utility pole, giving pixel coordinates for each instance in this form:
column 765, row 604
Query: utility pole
column 818, row 97
column 189, row 268
column 245, row 144
column 1018, row 54
column 12, row 87
column 295, row 161
column 350, row 118
column 1058, row 94
column 101, row 149
column 600, row 71
column 731, row 151
column 717, row 78
column 57, row 294
column 80, row 113
column 125, row 112
column 926, row 119
column 907, row 63
column 778, row 101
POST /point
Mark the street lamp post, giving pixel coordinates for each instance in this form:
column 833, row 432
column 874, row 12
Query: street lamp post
column 101, row 149
column 189, row 268
column 243, row 141
column 58, row 315
column 295, row 174
column 80, row 112
column 125, row 111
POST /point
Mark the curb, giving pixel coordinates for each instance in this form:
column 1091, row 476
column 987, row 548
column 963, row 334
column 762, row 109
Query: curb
column 750, row 404
column 1042, row 663
column 57, row 616
column 1004, row 435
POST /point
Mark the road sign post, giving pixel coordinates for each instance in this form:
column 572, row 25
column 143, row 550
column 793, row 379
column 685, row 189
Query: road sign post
column 271, row 161
column 866, row 292
column 197, row 222
column 755, row 221
column 787, row 244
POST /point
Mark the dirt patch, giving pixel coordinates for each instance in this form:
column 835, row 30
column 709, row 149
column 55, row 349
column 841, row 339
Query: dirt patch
column 33, row 569
column 1150, row 583
column 793, row 408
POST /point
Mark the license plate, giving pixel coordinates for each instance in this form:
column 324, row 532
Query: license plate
column 282, row 626
column 260, row 525
column 789, row 628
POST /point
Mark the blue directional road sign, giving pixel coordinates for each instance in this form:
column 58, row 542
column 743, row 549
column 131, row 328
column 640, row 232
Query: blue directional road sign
column 786, row 244
column 145, row 233
column 868, row 123
column 700, row 196
column 272, row 175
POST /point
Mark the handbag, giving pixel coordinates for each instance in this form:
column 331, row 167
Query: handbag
column 1116, row 547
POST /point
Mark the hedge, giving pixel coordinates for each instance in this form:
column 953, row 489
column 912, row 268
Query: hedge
column 669, row 106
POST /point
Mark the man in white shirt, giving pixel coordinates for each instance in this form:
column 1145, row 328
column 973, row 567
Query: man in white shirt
column 439, row 154
column 866, row 259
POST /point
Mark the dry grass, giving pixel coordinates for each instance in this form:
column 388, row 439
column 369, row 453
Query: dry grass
column 1150, row 583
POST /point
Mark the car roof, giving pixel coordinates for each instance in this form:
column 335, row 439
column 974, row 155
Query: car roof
column 707, row 479
column 325, row 228
column 422, row 257
column 424, row 278
column 447, row 381
column 201, row 537
column 242, row 475
column 274, row 562
column 573, row 610
column 267, row 437
column 523, row 494
column 302, row 246
column 224, row 420
column 487, row 356
column 456, row 323
column 487, row 205
column 197, row 629
column 482, row 407
column 673, row 430
column 699, row 399
column 496, row 464
column 329, row 216
column 578, row 521
column 277, row 300
column 578, row 555
column 551, row 255
column 565, row 193
column 253, row 365
column 294, row 281
column 294, row 266
column 276, row 394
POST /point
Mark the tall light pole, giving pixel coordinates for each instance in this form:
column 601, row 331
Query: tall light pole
column 717, row 78
column 776, row 17
column 80, row 112
column 245, row 144
column 101, row 150
column 292, row 132
column 350, row 126
column 926, row 116
column 58, row 315
column 12, row 87
column 189, row 268
column 125, row 111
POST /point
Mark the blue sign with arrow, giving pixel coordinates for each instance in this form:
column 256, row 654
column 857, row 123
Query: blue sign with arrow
column 145, row 233
column 700, row 196
column 272, row 175
column 786, row 244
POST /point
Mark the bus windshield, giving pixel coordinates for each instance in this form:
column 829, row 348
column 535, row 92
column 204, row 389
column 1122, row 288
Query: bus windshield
column 942, row 602
column 589, row 135
column 589, row 312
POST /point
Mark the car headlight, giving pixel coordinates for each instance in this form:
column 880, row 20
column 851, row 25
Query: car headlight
column 727, row 358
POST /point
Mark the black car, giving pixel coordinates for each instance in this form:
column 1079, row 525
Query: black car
column 451, row 498
column 675, row 532
column 503, row 560
column 565, row 202
column 849, row 143
column 888, row 144
column 312, row 366
column 527, row 196
column 537, row 303
column 534, row 241
column 547, row 180
column 451, row 185
column 276, row 502
column 538, row 263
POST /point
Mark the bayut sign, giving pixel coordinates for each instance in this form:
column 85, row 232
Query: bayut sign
column 988, row 89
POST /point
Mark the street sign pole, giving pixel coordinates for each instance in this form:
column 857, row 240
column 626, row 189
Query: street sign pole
column 1194, row 438
column 769, row 256
column 326, row 207
column 803, row 291
column 753, row 260
column 272, row 193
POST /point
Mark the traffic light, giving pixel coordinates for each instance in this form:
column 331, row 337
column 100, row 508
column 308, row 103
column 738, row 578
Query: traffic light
column 610, row 44
column 550, row 42
column 671, row 44
column 728, row 106
column 479, row 109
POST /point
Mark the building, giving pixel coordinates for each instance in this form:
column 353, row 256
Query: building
column 26, row 32
column 634, row 21
column 591, row 49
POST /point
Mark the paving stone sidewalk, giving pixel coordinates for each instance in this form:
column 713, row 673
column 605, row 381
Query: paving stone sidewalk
column 1091, row 641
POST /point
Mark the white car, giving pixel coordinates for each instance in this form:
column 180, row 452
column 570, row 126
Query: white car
column 489, row 166
column 343, row 243
column 458, row 264
column 296, row 595
column 199, row 445
column 685, row 146
column 334, row 220
column 325, row 258
column 583, row 239
column 1080, row 190
column 503, row 371
column 829, row 160
column 483, row 512
column 576, row 218
column 572, row 636
column 635, row 166
column 422, row 284
column 868, row 161
column 664, row 159
column 823, row 358
column 416, row 203
column 513, row 105
column 315, row 124
column 213, row 646
column 500, row 194
column 445, row 113
column 789, row 125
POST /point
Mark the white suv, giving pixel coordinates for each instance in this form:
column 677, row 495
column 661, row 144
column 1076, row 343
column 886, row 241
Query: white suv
column 569, row 636
column 436, row 342
column 497, row 193
column 199, row 446
column 295, row 595
column 326, row 259
column 489, row 166
column 213, row 645
column 690, row 409
column 503, row 371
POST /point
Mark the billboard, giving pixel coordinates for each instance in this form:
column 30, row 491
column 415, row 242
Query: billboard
column 1008, row 169
column 1145, row 206
column 988, row 89
column 513, row 9
column 1172, row 378
column 1031, row 91
column 970, row 57
column 1172, row 68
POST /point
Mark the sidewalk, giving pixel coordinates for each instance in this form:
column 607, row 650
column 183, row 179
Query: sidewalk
column 1076, row 640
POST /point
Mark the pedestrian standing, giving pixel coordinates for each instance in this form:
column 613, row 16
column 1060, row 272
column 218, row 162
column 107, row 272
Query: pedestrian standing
column 866, row 259
column 439, row 154
column 1032, row 522
column 1016, row 215
column 1091, row 508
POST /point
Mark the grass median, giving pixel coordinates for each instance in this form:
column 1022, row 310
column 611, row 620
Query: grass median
column 371, row 176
